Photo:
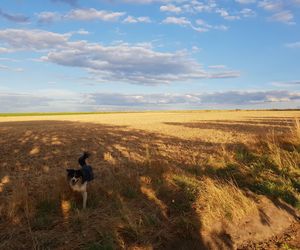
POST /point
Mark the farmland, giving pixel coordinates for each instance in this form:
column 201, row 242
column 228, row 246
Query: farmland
column 163, row 180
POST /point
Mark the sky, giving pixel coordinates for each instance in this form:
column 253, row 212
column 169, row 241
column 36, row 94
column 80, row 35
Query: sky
column 103, row 55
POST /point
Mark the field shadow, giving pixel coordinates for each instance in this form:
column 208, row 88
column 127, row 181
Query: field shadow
column 252, row 126
column 124, row 210
column 131, row 203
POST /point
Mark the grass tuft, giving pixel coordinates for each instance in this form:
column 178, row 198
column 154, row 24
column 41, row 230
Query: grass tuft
column 129, row 192
column 189, row 186
column 45, row 211
column 222, row 200
column 243, row 154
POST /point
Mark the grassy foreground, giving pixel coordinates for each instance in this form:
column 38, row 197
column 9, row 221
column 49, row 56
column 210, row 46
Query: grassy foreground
column 162, row 181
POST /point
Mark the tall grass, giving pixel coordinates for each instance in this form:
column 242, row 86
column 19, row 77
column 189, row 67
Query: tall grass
column 285, row 161
column 297, row 130
column 280, row 175
column 222, row 200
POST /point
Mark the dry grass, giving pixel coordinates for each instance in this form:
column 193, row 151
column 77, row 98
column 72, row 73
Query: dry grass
column 222, row 201
column 296, row 130
column 161, row 178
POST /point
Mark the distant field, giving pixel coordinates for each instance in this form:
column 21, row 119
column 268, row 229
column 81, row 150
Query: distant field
column 96, row 113
column 164, row 180
column 55, row 113
column 238, row 125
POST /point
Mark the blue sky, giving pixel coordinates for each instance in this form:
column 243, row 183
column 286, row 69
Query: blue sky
column 75, row 55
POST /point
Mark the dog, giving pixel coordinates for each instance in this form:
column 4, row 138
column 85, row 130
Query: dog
column 78, row 178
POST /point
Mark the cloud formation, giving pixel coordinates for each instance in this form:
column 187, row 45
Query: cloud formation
column 170, row 8
column 80, row 15
column 142, row 19
column 61, row 100
column 226, row 15
column 282, row 10
column 240, row 98
column 93, row 14
column 285, row 16
column 48, row 17
column 177, row 20
column 271, row 5
column 14, row 102
column 200, row 25
column 136, row 64
column 18, row 39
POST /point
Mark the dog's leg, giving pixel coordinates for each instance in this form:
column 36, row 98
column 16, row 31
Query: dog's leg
column 84, row 198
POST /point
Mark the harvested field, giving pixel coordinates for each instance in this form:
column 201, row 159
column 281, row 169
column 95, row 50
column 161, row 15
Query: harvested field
column 165, row 180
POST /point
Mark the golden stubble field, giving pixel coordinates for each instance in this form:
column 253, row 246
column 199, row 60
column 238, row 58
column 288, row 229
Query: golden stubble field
column 163, row 180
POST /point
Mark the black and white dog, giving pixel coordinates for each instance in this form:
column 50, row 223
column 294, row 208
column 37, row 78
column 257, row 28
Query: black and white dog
column 78, row 178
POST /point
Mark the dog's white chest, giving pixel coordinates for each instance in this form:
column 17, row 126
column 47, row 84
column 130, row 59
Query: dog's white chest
column 79, row 187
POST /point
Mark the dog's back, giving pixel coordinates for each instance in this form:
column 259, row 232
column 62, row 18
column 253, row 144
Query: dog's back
column 87, row 170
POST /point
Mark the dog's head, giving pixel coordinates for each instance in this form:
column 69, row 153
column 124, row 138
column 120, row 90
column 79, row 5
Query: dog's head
column 74, row 176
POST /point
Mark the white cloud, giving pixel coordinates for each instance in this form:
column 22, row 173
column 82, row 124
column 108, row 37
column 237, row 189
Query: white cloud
column 279, row 8
column 177, row 20
column 201, row 25
column 285, row 16
column 17, row 39
column 225, row 14
column 245, row 1
column 249, row 97
column 42, row 101
column 48, row 17
column 206, row 27
column 170, row 8
column 93, row 14
column 271, row 5
column 137, row 64
column 199, row 7
column 134, row 64
column 196, row 49
column 246, row 12
column 220, row 66
column 18, row 102
column 82, row 32
column 80, row 15
column 142, row 19
column 62, row 100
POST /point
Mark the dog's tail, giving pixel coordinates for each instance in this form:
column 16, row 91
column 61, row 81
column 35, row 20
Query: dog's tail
column 82, row 158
